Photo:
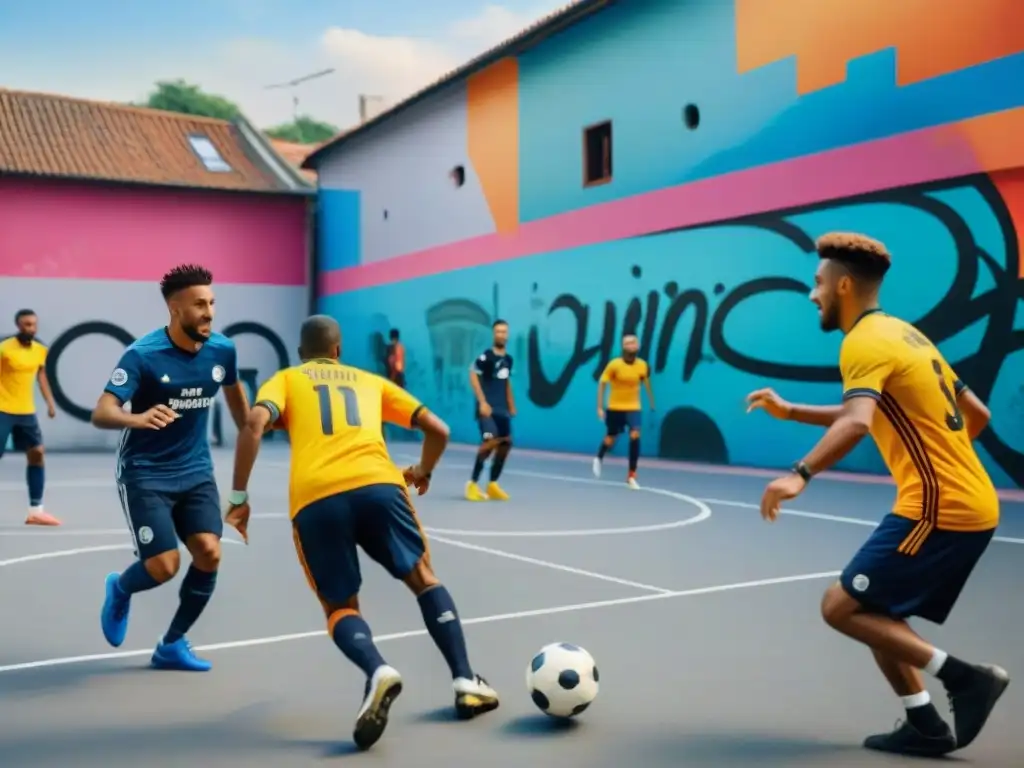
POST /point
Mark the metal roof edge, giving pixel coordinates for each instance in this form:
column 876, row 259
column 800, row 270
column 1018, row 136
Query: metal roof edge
column 557, row 22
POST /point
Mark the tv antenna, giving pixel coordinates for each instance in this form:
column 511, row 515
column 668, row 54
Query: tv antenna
column 292, row 84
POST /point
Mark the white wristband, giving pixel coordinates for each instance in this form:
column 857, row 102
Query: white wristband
column 237, row 498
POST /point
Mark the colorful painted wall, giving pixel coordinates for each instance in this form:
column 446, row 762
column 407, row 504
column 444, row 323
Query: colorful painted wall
column 902, row 122
column 88, row 260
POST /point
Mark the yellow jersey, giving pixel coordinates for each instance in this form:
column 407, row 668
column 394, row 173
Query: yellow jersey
column 918, row 427
column 333, row 414
column 19, row 367
column 623, row 380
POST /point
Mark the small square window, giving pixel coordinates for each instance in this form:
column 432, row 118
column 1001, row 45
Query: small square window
column 597, row 154
column 208, row 154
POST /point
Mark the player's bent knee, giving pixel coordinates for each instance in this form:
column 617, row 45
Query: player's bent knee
column 837, row 606
column 35, row 455
column 337, row 613
column 205, row 549
column 163, row 567
column 634, row 434
column 421, row 578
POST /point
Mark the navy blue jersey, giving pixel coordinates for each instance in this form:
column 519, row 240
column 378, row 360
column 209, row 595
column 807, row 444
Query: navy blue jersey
column 494, row 371
column 153, row 371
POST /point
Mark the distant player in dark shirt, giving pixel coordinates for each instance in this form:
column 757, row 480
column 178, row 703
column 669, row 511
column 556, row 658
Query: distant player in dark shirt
column 396, row 359
column 491, row 380
column 164, row 467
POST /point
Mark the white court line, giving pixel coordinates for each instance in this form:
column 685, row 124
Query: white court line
column 79, row 551
column 62, row 531
column 829, row 518
column 717, row 589
column 548, row 564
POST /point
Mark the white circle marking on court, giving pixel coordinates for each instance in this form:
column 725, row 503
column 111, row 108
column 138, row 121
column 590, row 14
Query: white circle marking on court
column 703, row 513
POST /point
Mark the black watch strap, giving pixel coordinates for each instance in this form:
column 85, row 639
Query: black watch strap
column 801, row 469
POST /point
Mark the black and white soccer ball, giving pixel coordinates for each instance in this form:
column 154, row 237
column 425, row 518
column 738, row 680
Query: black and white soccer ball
column 562, row 680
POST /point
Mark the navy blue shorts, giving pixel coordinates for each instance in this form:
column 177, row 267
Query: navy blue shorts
column 497, row 426
column 23, row 429
column 926, row 584
column 158, row 520
column 618, row 422
column 379, row 519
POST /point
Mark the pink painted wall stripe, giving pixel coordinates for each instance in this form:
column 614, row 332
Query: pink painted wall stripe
column 911, row 158
column 52, row 229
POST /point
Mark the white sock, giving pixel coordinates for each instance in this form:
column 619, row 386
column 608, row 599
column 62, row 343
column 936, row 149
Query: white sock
column 935, row 665
column 916, row 700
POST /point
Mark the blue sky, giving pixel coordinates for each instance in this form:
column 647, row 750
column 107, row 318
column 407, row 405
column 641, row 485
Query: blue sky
column 116, row 49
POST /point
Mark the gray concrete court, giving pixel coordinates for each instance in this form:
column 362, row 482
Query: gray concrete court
column 703, row 620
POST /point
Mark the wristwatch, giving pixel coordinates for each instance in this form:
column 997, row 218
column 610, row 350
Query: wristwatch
column 237, row 498
column 801, row 469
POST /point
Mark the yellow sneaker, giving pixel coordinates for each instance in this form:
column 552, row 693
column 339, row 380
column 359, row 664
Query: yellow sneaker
column 473, row 492
column 495, row 492
column 474, row 697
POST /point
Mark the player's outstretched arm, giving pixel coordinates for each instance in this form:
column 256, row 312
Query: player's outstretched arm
column 768, row 400
column 238, row 403
column 247, row 447
column 109, row 413
column 435, row 440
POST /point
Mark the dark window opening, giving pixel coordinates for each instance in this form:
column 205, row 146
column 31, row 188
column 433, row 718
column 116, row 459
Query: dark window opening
column 597, row 154
column 691, row 116
column 458, row 175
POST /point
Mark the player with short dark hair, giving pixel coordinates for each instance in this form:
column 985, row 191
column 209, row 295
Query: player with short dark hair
column 22, row 362
column 623, row 377
column 490, row 377
column 164, row 468
column 346, row 494
column 898, row 387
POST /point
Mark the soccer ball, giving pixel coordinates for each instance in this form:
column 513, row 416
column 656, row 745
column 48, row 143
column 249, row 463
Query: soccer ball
column 562, row 680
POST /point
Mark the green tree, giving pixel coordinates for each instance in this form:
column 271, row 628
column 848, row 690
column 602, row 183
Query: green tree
column 303, row 130
column 188, row 99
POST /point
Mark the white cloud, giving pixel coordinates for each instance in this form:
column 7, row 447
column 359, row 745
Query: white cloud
column 389, row 66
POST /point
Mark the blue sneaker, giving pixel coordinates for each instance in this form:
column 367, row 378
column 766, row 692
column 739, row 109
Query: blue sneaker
column 179, row 656
column 114, row 616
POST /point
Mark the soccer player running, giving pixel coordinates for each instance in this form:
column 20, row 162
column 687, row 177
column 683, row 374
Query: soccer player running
column 622, row 377
column 164, row 467
column 23, row 361
column 898, row 388
column 346, row 494
column 490, row 376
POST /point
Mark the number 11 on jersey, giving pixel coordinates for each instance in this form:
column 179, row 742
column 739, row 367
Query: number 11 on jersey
column 348, row 395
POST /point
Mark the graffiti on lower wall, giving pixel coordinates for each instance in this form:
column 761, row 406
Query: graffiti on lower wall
column 721, row 310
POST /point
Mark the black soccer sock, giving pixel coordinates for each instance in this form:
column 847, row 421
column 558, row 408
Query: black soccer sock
column 498, row 463
column 478, row 466
column 926, row 718
column 35, row 478
column 196, row 590
column 442, row 620
column 602, row 451
column 634, row 453
column 954, row 672
column 353, row 637
column 136, row 578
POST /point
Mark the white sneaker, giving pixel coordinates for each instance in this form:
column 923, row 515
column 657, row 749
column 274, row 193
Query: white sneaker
column 633, row 484
column 473, row 697
column 381, row 691
column 597, row 467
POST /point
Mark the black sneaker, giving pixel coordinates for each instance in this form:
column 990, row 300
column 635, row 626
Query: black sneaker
column 907, row 740
column 974, row 701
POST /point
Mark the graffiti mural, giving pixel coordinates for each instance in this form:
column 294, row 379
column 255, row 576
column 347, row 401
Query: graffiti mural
column 720, row 310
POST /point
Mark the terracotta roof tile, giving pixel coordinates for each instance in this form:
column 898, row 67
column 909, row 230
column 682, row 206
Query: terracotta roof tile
column 58, row 136
column 295, row 154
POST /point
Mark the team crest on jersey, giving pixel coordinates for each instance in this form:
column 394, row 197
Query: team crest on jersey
column 218, row 373
column 119, row 377
column 503, row 373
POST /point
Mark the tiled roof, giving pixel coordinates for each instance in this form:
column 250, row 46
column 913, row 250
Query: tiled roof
column 63, row 137
column 295, row 154
column 564, row 17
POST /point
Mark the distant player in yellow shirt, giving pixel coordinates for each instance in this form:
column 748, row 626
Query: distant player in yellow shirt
column 22, row 364
column 623, row 377
column 346, row 493
column 898, row 388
